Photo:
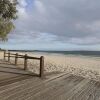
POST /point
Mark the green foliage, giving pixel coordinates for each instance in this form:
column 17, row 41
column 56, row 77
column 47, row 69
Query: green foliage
column 8, row 13
column 5, row 28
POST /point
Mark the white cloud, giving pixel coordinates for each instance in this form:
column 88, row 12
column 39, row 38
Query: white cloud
column 22, row 3
column 22, row 13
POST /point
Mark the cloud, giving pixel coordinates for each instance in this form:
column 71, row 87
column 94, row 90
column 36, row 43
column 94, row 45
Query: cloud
column 69, row 21
column 39, row 7
column 22, row 12
column 22, row 3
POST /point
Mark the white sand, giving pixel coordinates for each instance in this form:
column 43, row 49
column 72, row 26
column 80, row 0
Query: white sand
column 88, row 67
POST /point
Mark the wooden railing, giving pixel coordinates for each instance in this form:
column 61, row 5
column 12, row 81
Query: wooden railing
column 8, row 54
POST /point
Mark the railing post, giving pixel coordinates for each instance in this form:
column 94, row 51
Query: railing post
column 4, row 54
column 42, row 66
column 25, row 62
column 16, row 58
column 8, row 56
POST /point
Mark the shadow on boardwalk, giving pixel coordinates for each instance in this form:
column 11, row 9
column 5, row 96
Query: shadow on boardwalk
column 17, row 84
column 10, row 73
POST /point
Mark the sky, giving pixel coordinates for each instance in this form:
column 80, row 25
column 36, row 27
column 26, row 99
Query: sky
column 56, row 25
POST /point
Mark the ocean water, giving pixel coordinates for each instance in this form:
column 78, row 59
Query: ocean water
column 83, row 53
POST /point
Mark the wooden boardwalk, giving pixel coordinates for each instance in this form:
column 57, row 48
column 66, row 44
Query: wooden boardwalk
column 16, row 84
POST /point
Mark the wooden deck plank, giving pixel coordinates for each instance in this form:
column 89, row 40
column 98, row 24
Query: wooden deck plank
column 11, row 91
column 33, row 87
column 16, row 84
column 84, row 91
column 4, row 76
column 97, row 93
column 47, row 88
column 66, row 84
column 93, row 94
column 28, row 81
column 88, row 93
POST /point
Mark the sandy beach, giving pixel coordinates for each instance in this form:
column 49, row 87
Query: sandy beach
column 84, row 66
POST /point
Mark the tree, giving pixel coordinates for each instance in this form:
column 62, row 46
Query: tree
column 8, row 13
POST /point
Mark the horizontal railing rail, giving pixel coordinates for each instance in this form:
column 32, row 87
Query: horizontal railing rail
column 8, row 54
